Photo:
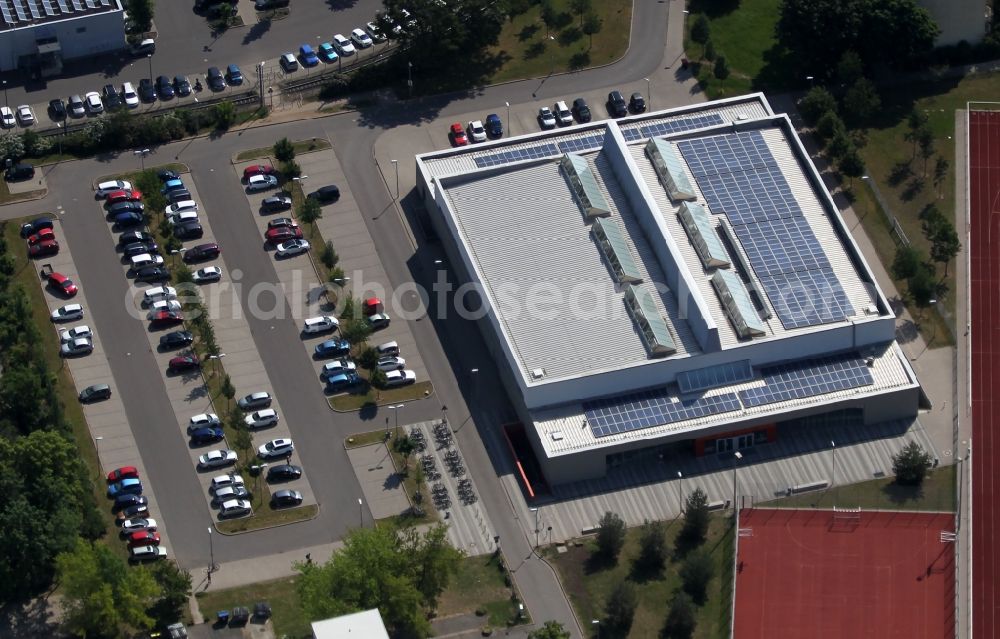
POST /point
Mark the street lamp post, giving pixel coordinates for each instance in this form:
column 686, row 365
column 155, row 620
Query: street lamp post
column 6, row 102
column 395, row 165
column 149, row 58
column 409, row 78
column 142, row 153
column 361, row 512
column 97, row 449
column 535, row 510
column 510, row 125
column 396, row 410
column 260, row 82
column 810, row 78
column 211, row 552
column 736, row 457
column 649, row 95
column 680, row 493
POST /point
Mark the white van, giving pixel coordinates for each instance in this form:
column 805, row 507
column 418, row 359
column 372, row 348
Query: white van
column 563, row 113
column 145, row 259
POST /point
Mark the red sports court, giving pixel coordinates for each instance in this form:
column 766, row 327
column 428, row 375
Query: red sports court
column 814, row 574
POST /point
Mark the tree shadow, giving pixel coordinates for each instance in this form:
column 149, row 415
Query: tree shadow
column 899, row 173
column 579, row 60
column 779, row 72
column 534, row 50
column 641, row 573
column 598, row 562
column 527, row 33
column 900, row 493
column 569, row 36
column 906, row 332
column 562, row 20
column 257, row 31
column 336, row 5
column 713, row 8
column 34, row 619
column 913, row 189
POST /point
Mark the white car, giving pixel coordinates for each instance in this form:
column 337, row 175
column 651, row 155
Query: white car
column 183, row 216
column 147, row 553
column 165, row 305
column 361, row 39
column 564, row 115
column 114, row 185
column 546, row 118
column 336, row 367
column 374, row 32
column 378, row 321
column 66, row 335
column 78, row 346
column 25, row 115
column 207, row 274
column 320, row 324
column 276, row 448
column 343, row 45
column 261, row 418
column 235, row 508
column 400, row 378
column 391, row 364
column 67, row 313
column 158, row 293
column 261, row 183
column 288, row 62
column 217, row 458
column 477, row 131
column 180, row 207
column 138, row 525
column 292, row 247
column 7, row 117
column 203, row 420
column 221, row 481
column 146, row 259
column 94, row 104
column 129, row 95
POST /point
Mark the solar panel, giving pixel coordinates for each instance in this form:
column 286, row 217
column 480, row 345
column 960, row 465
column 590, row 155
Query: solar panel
column 749, row 197
column 807, row 298
column 781, row 246
column 512, row 155
column 64, row 7
column 19, row 10
column 709, row 377
column 676, row 126
column 581, row 144
column 78, row 5
column 808, row 378
column 92, row 4
column 5, row 9
column 33, row 8
column 49, row 9
column 731, row 153
column 631, row 135
column 651, row 408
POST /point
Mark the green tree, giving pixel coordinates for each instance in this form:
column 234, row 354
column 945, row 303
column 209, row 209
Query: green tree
column 916, row 121
column 696, row 572
column 852, row 166
column 183, row 275
column 696, row 520
column 945, row 245
column 30, row 139
column 550, row 630
column 861, row 102
column 175, row 589
column 225, row 115
column 329, row 256
column 378, row 378
column 701, row 31
column 243, row 442
column 652, row 548
column 140, row 12
column 549, row 15
column 309, row 211
column 439, row 31
column 11, row 146
column 910, row 465
column 610, row 535
column 290, row 170
column 680, row 621
column 368, row 358
column 355, row 331
column 906, row 262
column 922, row 286
column 925, row 140
column 227, row 388
column 580, row 8
column 839, row 146
column 817, row 102
column 710, row 53
column 592, row 25
column 284, row 150
column 829, row 125
column 101, row 595
column 619, row 612
column 850, row 69
column 721, row 70
column 940, row 173
column 405, row 447
column 433, row 561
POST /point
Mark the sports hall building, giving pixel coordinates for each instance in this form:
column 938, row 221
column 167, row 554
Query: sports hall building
column 678, row 280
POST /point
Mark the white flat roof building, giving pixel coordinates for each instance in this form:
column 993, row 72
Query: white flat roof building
column 359, row 625
column 675, row 276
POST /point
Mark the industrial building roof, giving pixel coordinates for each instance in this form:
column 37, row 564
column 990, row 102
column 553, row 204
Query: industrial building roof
column 18, row 14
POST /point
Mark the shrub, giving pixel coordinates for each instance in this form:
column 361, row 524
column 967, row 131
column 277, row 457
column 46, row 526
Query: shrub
column 911, row 464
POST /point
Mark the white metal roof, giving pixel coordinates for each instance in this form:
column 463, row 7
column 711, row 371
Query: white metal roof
column 359, row 625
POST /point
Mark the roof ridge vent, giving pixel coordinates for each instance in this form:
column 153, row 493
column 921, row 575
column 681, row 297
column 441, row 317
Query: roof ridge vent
column 669, row 169
column 584, row 184
column 647, row 317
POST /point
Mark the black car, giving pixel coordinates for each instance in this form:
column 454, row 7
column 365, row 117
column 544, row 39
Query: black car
column 127, row 219
column 147, row 93
column 34, row 226
column 283, row 472
column 129, row 501
column 276, row 203
column 133, row 512
column 138, row 248
column 152, row 274
column 124, row 207
column 178, row 195
column 57, row 110
column 285, row 498
column 580, row 110
column 110, row 97
column 329, row 193
column 188, row 231
column 201, row 436
column 94, row 393
column 20, row 171
column 164, row 87
column 182, row 86
column 130, row 237
column 616, row 105
column 176, row 339
column 636, row 103
column 202, row 252
column 167, row 174
column 215, row 80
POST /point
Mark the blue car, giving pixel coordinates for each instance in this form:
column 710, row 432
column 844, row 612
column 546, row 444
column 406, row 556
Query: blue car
column 130, row 486
column 234, row 75
column 129, row 218
column 327, row 53
column 333, row 348
column 342, row 382
column 494, row 127
column 203, row 436
column 308, row 56
column 171, row 185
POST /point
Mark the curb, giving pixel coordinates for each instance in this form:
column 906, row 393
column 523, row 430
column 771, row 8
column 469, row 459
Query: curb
column 215, row 525
column 378, row 404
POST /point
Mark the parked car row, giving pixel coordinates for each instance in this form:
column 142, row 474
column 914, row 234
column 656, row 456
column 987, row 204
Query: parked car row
column 476, row 131
column 338, row 47
column 138, row 530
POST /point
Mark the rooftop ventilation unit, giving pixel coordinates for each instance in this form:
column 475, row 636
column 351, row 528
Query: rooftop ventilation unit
column 703, row 236
column 733, row 295
column 584, row 184
column 669, row 169
column 609, row 237
column 652, row 326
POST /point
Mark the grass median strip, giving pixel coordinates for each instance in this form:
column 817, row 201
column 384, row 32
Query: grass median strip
column 379, row 397
column 300, row 146
column 6, row 197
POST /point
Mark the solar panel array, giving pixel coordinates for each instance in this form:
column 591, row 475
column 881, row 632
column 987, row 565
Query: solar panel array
column 516, row 155
column 33, row 8
column 18, row 12
column 740, row 177
column 581, row 144
column 808, row 378
column 715, row 376
column 651, row 408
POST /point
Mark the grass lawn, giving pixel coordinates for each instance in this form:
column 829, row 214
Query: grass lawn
column 346, row 402
column 286, row 612
column 301, row 146
column 528, row 50
column 589, row 583
column 6, row 197
column 936, row 494
column 479, row 586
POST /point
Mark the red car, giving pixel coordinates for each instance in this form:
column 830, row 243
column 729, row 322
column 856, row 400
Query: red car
column 372, row 305
column 63, row 284
column 458, row 137
column 125, row 472
column 283, row 233
column 144, row 538
column 257, row 169
column 166, row 318
column 44, row 248
column 183, row 363
column 123, row 196
column 41, row 236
